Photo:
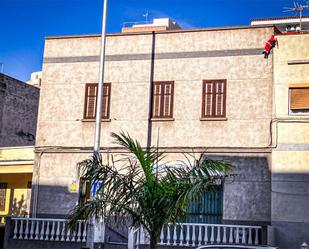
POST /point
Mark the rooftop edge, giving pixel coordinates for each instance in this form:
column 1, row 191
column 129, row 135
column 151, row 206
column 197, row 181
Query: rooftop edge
column 160, row 32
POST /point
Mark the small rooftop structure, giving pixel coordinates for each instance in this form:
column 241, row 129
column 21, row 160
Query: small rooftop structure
column 35, row 79
column 157, row 24
column 284, row 24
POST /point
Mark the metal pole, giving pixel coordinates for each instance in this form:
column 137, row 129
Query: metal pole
column 95, row 231
column 96, row 148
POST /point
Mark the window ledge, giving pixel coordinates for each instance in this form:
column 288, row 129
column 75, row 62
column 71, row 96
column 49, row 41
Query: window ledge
column 213, row 119
column 162, row 119
column 93, row 120
column 295, row 62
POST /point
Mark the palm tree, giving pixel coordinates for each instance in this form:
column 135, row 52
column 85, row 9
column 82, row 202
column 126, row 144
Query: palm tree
column 140, row 191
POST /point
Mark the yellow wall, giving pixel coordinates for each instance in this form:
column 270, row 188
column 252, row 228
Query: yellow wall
column 17, row 153
column 291, row 48
column 291, row 155
column 17, row 193
column 16, row 166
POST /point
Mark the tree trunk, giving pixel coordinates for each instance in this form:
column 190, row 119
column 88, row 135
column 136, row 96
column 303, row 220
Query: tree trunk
column 153, row 242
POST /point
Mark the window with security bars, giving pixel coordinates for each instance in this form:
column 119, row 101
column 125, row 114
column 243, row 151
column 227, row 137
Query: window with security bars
column 214, row 99
column 163, row 96
column 91, row 94
column 3, row 188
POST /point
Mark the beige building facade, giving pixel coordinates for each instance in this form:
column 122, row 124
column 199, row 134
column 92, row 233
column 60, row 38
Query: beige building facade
column 290, row 157
column 186, row 64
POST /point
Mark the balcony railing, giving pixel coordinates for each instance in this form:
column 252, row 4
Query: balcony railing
column 196, row 234
column 48, row 229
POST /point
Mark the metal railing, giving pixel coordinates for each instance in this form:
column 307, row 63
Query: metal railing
column 48, row 229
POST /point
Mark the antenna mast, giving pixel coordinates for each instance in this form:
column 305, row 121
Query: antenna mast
column 146, row 14
column 298, row 7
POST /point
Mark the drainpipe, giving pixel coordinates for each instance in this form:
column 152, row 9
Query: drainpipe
column 36, row 186
column 151, row 78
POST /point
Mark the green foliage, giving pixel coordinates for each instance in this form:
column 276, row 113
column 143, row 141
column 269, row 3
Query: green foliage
column 143, row 192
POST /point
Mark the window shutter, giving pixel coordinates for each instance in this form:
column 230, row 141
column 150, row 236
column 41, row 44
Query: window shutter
column 91, row 94
column 91, row 101
column 208, row 99
column 214, row 98
column 163, row 99
column 219, row 98
column 106, row 100
column 299, row 98
column 157, row 100
column 167, row 112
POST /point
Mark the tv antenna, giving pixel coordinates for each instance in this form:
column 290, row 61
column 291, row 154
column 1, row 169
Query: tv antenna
column 146, row 14
column 298, row 8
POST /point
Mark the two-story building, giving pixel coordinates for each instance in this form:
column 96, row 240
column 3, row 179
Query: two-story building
column 203, row 90
column 290, row 155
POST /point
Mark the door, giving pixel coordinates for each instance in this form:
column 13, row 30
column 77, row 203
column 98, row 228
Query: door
column 207, row 208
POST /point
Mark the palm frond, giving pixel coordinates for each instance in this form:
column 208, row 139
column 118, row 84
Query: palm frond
column 130, row 187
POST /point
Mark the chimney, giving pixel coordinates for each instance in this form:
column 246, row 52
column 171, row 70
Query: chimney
column 156, row 25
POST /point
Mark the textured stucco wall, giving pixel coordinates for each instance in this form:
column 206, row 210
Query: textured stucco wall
column 290, row 159
column 17, row 194
column 247, row 195
column 17, row 153
column 18, row 112
column 249, row 85
column 291, row 48
column 187, row 58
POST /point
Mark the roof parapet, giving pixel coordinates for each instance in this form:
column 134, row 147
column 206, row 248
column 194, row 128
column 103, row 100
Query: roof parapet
column 156, row 25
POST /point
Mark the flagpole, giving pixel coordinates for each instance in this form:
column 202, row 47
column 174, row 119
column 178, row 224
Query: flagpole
column 96, row 147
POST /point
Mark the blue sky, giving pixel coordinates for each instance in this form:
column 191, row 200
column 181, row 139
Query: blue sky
column 25, row 23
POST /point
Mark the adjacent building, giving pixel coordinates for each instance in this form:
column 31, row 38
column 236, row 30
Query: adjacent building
column 290, row 155
column 35, row 79
column 16, row 167
column 18, row 112
column 18, row 116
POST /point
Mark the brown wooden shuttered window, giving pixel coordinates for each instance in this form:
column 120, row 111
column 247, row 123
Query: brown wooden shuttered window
column 214, row 99
column 163, row 97
column 91, row 94
column 3, row 188
column 299, row 98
